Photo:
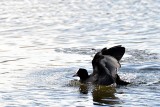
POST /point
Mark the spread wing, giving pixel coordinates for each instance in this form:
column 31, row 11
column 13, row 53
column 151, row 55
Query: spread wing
column 107, row 70
column 111, row 64
column 116, row 51
column 106, row 63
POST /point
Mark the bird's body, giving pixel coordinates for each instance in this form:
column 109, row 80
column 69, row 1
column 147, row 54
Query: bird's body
column 105, row 66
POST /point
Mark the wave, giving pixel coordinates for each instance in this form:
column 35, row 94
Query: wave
column 131, row 55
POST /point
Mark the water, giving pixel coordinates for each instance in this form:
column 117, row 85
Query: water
column 44, row 42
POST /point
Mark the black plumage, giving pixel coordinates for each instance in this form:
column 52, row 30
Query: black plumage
column 105, row 66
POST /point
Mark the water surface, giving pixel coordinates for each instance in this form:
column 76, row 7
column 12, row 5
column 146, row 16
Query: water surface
column 44, row 42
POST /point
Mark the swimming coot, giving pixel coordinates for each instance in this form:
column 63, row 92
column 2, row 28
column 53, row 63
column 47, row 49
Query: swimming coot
column 105, row 66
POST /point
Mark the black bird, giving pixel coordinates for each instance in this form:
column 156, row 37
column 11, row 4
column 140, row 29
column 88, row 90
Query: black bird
column 105, row 66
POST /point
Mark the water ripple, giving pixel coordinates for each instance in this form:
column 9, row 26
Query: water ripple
column 44, row 42
column 12, row 60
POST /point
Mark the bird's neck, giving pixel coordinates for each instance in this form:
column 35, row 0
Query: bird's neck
column 84, row 78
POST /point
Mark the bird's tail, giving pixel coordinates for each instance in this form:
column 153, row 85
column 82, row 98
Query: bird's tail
column 120, row 82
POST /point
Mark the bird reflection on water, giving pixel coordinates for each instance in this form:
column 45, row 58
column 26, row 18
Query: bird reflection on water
column 102, row 95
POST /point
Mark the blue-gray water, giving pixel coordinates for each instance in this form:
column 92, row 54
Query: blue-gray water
column 44, row 42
